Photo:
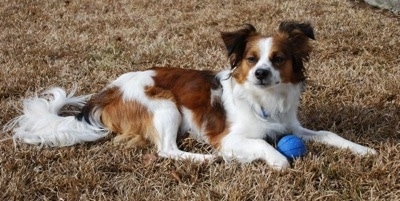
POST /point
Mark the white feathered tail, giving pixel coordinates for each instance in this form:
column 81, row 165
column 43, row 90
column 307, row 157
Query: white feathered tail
column 40, row 123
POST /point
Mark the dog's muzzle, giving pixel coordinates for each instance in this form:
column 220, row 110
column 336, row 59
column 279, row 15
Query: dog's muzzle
column 263, row 76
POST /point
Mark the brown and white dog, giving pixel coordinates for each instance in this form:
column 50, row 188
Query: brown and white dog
column 234, row 110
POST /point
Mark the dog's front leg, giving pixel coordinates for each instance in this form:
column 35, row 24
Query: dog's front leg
column 332, row 139
column 246, row 150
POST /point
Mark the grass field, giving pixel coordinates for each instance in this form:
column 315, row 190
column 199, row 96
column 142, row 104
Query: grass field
column 352, row 89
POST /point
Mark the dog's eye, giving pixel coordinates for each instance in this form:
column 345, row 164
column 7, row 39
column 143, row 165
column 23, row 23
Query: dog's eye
column 251, row 59
column 278, row 59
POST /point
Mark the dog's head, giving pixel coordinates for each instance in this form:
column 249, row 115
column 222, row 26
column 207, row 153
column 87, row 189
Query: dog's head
column 266, row 61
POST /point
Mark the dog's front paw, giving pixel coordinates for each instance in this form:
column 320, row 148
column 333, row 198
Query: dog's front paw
column 337, row 141
column 363, row 151
column 278, row 162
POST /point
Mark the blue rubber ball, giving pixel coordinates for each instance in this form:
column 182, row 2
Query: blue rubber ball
column 291, row 146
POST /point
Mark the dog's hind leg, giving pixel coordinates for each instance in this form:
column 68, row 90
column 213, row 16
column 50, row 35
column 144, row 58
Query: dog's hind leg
column 166, row 121
column 150, row 116
column 333, row 139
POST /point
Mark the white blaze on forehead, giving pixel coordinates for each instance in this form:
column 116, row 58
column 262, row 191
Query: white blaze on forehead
column 265, row 46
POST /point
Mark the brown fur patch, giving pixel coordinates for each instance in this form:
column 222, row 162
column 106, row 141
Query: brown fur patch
column 159, row 93
column 251, row 51
column 236, row 41
column 286, row 72
column 129, row 118
column 291, row 69
column 192, row 89
column 292, row 42
column 282, row 62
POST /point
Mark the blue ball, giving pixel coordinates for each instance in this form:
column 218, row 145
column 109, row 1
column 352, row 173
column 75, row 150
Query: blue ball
column 291, row 146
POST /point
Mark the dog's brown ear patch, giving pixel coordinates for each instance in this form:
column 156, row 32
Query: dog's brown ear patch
column 297, row 29
column 235, row 43
column 295, row 37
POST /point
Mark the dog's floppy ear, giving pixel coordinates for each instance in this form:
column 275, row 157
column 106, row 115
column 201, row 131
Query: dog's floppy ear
column 297, row 36
column 235, row 43
column 297, row 29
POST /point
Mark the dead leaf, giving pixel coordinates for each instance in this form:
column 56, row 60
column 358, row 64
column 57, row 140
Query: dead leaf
column 149, row 159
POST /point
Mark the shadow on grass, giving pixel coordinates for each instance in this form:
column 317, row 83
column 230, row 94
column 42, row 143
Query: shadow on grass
column 363, row 124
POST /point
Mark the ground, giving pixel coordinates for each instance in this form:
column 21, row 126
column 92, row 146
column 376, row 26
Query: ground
column 352, row 89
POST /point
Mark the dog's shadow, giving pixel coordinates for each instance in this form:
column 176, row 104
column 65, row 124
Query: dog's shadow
column 365, row 124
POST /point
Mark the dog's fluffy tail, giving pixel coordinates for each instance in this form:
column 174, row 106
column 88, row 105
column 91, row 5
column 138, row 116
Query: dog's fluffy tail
column 41, row 124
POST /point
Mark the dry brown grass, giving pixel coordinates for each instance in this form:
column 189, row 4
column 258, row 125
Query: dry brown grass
column 353, row 89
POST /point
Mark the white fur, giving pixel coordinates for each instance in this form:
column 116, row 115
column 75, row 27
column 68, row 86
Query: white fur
column 188, row 125
column 243, row 103
column 132, row 85
column 40, row 123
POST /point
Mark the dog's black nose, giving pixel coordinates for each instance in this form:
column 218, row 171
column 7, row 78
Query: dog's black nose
column 262, row 73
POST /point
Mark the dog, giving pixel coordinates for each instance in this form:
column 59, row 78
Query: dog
column 234, row 110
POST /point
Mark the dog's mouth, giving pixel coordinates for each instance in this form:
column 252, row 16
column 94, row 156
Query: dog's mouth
column 266, row 83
